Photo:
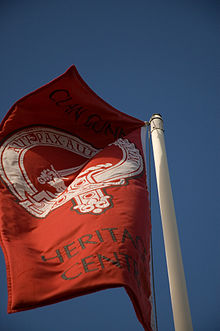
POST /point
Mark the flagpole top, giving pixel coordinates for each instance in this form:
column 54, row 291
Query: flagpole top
column 156, row 122
column 156, row 116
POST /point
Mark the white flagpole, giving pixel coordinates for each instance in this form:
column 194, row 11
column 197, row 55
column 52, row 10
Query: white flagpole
column 178, row 291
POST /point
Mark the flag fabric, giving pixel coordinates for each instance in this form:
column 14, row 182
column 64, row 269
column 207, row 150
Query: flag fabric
column 74, row 210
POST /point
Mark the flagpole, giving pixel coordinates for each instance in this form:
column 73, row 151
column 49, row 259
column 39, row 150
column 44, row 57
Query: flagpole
column 178, row 291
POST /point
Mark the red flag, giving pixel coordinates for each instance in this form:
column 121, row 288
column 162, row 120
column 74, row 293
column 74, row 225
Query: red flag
column 74, row 203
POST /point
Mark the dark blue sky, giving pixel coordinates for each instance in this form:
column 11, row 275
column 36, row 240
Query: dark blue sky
column 143, row 57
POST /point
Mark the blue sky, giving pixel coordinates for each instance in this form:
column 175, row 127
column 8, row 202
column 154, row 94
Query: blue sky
column 142, row 57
